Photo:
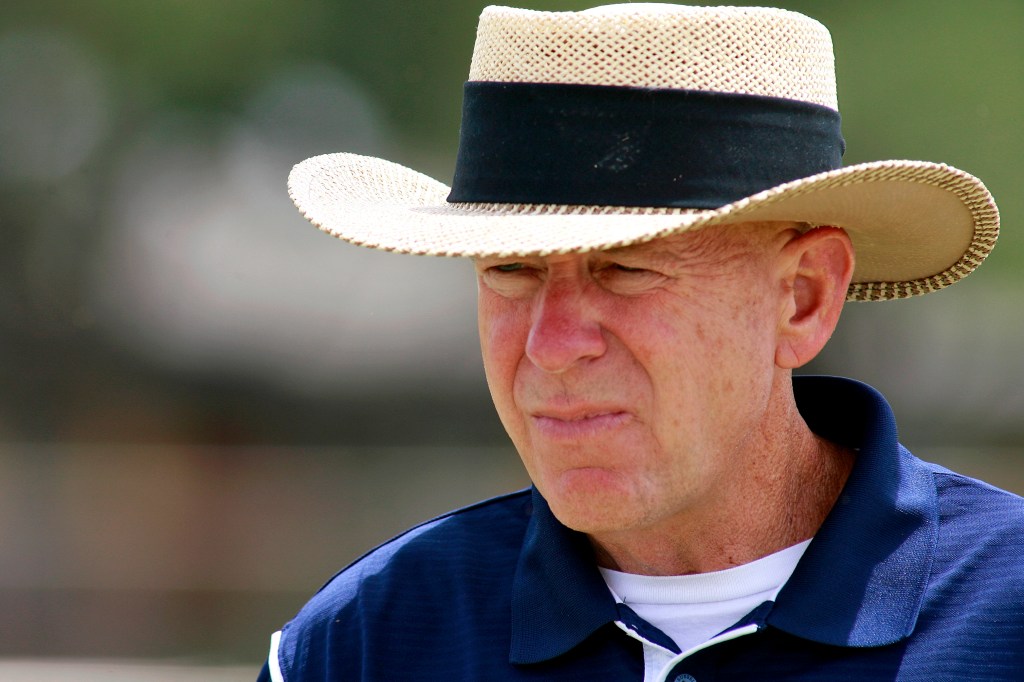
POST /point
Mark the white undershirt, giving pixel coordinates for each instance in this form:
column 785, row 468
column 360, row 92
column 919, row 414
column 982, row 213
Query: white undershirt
column 692, row 609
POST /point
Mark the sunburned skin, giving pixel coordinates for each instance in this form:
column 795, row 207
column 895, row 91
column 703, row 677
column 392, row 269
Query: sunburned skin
column 647, row 389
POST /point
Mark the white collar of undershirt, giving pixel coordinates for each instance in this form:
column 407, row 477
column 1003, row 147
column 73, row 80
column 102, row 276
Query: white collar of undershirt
column 765, row 575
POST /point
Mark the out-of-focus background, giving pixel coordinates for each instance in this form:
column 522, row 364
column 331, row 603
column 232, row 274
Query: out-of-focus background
column 207, row 407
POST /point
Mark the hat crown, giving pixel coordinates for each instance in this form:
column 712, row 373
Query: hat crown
column 743, row 50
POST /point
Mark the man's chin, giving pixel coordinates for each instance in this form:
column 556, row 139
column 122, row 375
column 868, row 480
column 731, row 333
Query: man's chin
column 589, row 504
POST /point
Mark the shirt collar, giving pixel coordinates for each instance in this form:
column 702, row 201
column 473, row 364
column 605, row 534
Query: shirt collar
column 860, row 582
column 558, row 596
column 863, row 578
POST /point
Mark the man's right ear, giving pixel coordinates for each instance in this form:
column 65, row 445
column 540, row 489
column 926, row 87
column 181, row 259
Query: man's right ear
column 816, row 268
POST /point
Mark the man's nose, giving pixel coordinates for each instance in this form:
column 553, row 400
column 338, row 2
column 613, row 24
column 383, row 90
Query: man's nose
column 564, row 329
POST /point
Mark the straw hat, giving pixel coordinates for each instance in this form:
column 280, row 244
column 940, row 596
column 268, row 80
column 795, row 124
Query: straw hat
column 617, row 125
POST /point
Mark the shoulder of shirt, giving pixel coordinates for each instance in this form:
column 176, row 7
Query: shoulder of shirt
column 467, row 556
column 952, row 483
column 970, row 508
column 477, row 516
column 437, row 547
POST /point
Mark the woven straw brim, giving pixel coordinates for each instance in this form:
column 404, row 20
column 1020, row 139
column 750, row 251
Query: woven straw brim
column 916, row 226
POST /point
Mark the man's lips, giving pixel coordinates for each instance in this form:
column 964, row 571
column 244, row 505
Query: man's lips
column 578, row 423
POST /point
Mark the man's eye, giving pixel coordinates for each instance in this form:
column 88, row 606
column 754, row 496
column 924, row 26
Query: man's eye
column 625, row 268
column 626, row 280
column 613, row 268
column 508, row 267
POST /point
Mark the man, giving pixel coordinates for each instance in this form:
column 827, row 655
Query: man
column 662, row 230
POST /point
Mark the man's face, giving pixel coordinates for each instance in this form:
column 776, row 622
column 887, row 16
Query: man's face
column 631, row 380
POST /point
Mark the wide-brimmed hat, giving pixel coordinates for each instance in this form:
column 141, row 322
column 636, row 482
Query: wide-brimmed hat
column 617, row 125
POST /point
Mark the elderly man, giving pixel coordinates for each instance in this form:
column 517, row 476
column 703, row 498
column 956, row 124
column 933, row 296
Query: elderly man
column 662, row 230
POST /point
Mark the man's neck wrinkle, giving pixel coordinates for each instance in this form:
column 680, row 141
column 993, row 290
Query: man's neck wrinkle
column 782, row 500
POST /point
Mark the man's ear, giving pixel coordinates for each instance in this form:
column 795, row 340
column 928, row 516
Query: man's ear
column 816, row 267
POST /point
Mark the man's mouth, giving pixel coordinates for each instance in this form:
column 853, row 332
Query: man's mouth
column 579, row 423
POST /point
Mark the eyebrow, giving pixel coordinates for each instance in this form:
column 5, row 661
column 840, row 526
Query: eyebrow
column 658, row 250
column 691, row 246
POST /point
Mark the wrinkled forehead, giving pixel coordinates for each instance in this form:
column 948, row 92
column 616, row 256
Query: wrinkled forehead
column 740, row 235
column 721, row 239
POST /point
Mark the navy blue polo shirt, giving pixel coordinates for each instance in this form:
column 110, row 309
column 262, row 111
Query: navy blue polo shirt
column 916, row 574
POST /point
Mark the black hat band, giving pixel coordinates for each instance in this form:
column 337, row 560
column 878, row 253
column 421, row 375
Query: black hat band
column 543, row 143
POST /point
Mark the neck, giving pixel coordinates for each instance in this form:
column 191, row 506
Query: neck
column 790, row 480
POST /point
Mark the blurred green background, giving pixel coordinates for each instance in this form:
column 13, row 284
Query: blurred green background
column 207, row 407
